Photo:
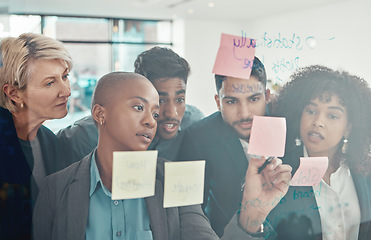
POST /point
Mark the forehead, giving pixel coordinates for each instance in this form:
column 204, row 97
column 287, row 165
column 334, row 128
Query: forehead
column 169, row 85
column 241, row 87
column 47, row 66
column 328, row 101
column 136, row 88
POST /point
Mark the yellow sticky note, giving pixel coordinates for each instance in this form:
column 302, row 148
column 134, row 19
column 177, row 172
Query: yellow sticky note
column 133, row 174
column 184, row 183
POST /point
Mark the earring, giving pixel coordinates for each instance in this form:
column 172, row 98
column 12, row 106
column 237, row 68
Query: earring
column 102, row 122
column 22, row 105
column 297, row 142
column 345, row 146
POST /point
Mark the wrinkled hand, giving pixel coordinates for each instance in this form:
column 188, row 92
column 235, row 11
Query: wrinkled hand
column 262, row 191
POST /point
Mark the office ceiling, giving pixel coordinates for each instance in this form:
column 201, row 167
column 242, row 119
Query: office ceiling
column 218, row 9
column 164, row 9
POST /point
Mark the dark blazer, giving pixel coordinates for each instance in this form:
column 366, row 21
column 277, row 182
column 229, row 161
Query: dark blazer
column 212, row 140
column 61, row 211
column 297, row 215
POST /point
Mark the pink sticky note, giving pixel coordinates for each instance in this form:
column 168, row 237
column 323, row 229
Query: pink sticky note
column 310, row 171
column 235, row 57
column 268, row 136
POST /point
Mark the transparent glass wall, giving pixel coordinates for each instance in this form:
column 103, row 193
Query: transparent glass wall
column 97, row 46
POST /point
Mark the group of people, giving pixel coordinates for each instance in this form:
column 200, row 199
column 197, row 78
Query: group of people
column 58, row 186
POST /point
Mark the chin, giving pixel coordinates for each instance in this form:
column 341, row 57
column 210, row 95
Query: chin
column 60, row 115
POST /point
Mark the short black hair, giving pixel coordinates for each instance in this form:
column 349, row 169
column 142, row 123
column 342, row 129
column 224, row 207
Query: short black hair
column 160, row 62
column 354, row 94
column 257, row 71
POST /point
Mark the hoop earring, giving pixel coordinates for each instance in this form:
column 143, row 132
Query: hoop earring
column 297, row 142
column 345, row 146
column 102, row 122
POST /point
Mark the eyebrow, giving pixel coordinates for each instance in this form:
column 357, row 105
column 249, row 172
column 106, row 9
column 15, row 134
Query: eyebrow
column 330, row 107
column 182, row 91
column 146, row 101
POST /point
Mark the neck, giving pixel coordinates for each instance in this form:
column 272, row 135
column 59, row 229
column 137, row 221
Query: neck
column 25, row 126
column 104, row 164
column 333, row 165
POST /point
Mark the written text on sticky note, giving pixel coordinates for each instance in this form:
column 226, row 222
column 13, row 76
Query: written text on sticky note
column 133, row 174
column 310, row 171
column 268, row 136
column 184, row 183
column 235, row 56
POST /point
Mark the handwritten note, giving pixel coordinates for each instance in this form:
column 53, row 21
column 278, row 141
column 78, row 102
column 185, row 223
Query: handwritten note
column 235, row 57
column 268, row 136
column 184, row 183
column 310, row 171
column 133, row 174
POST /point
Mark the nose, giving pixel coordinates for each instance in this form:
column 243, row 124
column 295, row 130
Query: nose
column 318, row 121
column 149, row 120
column 170, row 110
column 65, row 88
column 243, row 111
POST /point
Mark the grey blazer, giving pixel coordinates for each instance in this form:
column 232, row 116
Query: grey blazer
column 61, row 211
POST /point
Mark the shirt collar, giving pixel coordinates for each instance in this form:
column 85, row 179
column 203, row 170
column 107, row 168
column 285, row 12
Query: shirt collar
column 95, row 180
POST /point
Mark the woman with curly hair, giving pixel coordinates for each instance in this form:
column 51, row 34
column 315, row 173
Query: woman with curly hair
column 327, row 115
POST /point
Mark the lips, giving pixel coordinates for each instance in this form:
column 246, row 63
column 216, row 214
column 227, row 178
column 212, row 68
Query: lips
column 145, row 136
column 315, row 136
column 169, row 127
column 62, row 104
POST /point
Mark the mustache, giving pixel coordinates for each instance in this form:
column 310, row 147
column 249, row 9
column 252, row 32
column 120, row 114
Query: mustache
column 244, row 120
column 168, row 120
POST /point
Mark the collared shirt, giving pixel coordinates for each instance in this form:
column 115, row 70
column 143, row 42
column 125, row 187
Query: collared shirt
column 338, row 205
column 114, row 219
column 245, row 146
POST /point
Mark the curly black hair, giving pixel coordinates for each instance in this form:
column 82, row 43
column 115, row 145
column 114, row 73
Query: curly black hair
column 355, row 95
column 161, row 62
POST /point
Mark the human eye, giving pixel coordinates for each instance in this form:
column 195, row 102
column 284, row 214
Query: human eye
column 50, row 83
column 254, row 99
column 66, row 76
column 310, row 111
column 156, row 115
column 138, row 107
column 180, row 100
column 162, row 100
column 231, row 101
column 333, row 116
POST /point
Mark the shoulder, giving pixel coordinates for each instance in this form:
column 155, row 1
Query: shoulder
column 85, row 124
column 63, row 178
column 191, row 115
column 206, row 123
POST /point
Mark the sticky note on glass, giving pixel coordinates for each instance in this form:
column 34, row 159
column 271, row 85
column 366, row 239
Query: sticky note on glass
column 310, row 171
column 184, row 183
column 133, row 174
column 235, row 56
column 268, row 136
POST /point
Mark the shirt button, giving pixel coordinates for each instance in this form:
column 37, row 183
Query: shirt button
column 116, row 202
column 118, row 234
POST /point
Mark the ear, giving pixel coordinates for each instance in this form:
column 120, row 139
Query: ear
column 217, row 100
column 13, row 93
column 267, row 95
column 98, row 113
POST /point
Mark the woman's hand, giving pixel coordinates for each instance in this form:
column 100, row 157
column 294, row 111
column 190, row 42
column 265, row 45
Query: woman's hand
column 262, row 191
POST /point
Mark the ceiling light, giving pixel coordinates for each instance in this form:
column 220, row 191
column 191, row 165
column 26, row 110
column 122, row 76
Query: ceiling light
column 211, row 4
column 190, row 11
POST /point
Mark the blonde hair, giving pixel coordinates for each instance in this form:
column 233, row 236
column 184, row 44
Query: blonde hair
column 17, row 53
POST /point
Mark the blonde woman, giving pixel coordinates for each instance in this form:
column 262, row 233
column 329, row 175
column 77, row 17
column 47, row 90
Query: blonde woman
column 34, row 87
